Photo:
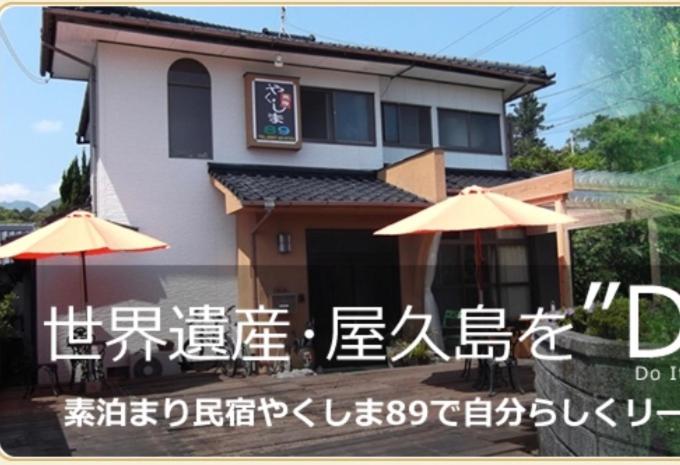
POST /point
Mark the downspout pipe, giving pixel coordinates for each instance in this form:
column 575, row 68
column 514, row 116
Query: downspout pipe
column 269, row 205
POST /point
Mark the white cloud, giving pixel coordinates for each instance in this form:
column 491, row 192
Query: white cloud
column 47, row 126
column 18, row 191
column 14, row 191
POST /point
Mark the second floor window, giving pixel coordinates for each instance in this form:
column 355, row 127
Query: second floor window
column 337, row 116
column 189, row 110
column 469, row 131
column 406, row 125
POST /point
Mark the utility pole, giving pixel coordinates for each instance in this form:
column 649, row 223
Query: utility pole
column 282, row 30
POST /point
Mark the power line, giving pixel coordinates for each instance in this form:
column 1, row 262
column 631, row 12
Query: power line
column 588, row 83
column 473, row 30
column 564, row 42
column 575, row 99
column 570, row 118
column 559, row 131
column 17, row 60
column 516, row 31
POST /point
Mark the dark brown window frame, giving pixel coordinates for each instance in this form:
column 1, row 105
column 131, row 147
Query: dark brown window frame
column 330, row 117
column 169, row 85
column 491, row 244
column 470, row 149
column 400, row 144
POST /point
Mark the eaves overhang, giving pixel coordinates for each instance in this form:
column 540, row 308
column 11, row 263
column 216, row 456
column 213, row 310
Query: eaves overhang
column 160, row 24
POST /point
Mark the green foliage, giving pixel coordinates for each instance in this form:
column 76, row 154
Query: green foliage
column 612, row 323
column 421, row 353
column 548, row 160
column 617, row 252
column 7, row 315
column 643, row 46
column 638, row 51
column 578, row 320
column 15, row 216
column 74, row 193
column 75, row 185
column 526, row 120
column 645, row 140
column 659, row 321
column 633, row 143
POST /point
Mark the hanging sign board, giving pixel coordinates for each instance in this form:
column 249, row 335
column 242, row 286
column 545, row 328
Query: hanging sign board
column 272, row 111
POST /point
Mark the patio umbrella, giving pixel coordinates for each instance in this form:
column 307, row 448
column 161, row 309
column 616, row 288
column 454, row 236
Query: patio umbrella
column 475, row 209
column 79, row 233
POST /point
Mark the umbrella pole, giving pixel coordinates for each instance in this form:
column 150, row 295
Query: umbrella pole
column 82, row 262
column 478, row 265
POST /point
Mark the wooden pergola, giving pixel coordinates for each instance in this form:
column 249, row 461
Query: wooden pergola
column 598, row 198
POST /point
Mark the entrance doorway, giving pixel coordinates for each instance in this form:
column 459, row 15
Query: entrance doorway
column 350, row 268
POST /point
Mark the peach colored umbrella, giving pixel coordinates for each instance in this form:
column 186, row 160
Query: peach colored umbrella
column 79, row 233
column 475, row 209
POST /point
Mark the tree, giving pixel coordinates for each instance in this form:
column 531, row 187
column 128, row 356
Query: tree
column 548, row 160
column 75, row 185
column 526, row 120
column 644, row 140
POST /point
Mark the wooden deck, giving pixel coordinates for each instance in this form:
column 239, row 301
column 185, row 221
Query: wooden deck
column 35, row 427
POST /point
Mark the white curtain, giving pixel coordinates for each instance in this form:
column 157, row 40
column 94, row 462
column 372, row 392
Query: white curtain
column 430, row 304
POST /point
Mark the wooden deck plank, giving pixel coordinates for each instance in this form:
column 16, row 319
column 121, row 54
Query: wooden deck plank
column 36, row 427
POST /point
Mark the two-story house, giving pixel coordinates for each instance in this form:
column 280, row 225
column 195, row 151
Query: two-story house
column 267, row 160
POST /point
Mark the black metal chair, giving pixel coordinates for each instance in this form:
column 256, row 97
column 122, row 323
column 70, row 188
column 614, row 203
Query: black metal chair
column 491, row 371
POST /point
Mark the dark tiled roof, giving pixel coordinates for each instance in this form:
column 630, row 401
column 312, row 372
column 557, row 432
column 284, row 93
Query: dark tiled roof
column 256, row 184
column 457, row 179
column 305, row 44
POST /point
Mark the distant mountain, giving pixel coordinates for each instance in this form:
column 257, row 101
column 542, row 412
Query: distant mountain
column 19, row 205
column 50, row 206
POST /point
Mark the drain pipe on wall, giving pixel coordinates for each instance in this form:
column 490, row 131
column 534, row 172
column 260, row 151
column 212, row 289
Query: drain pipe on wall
column 269, row 205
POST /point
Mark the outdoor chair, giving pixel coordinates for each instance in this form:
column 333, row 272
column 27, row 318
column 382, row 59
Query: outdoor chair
column 451, row 325
column 491, row 372
column 451, row 328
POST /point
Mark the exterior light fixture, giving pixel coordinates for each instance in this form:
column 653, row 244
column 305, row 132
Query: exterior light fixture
column 278, row 61
column 284, row 242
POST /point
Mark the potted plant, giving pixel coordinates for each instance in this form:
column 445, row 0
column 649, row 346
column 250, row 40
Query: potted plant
column 419, row 355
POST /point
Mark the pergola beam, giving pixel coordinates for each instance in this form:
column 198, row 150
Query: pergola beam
column 564, row 257
column 540, row 189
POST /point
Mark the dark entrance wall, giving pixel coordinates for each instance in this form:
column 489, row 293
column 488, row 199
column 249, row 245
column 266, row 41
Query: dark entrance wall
column 545, row 289
column 351, row 268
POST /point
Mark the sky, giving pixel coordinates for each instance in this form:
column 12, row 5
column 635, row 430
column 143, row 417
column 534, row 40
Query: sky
column 38, row 121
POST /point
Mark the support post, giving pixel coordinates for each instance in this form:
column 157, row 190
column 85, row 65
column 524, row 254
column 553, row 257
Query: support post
column 654, row 257
column 564, row 258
